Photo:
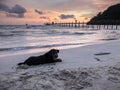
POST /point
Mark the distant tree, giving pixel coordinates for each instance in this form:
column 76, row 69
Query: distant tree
column 110, row 16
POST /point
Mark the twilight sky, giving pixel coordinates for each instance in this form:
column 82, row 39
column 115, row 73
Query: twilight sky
column 41, row 11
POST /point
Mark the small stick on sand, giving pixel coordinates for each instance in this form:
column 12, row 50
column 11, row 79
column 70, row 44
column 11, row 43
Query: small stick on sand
column 103, row 53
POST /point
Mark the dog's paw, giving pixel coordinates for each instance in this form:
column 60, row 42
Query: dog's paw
column 58, row 60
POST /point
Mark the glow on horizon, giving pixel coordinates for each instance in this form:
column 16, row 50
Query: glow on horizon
column 82, row 10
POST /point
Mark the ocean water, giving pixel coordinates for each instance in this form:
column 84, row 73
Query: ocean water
column 17, row 39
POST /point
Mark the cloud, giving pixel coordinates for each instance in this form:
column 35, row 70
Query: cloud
column 81, row 5
column 16, row 11
column 19, row 10
column 55, row 19
column 3, row 1
column 63, row 16
column 4, row 7
column 111, row 1
column 45, row 18
column 56, row 7
column 103, row 4
column 39, row 12
column 73, row 5
column 11, row 15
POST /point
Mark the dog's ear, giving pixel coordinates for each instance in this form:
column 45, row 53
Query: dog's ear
column 54, row 50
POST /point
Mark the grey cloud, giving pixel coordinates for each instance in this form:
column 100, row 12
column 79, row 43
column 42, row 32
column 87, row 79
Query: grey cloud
column 63, row 16
column 16, row 11
column 4, row 7
column 39, row 12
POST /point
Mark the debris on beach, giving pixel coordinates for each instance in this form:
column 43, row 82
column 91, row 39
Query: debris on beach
column 103, row 53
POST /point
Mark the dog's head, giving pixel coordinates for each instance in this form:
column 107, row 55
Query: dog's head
column 53, row 53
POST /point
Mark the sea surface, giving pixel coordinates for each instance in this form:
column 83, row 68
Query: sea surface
column 18, row 39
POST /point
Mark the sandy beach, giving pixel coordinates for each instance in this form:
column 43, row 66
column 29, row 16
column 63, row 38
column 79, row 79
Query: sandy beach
column 59, row 44
column 91, row 67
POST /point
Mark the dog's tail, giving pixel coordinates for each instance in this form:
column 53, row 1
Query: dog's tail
column 21, row 63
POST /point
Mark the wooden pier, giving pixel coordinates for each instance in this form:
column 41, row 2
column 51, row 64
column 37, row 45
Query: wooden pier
column 85, row 25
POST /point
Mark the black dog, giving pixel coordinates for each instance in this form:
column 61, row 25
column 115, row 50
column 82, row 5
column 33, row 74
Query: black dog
column 48, row 57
